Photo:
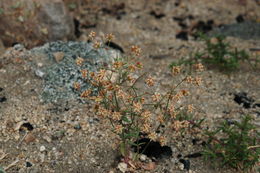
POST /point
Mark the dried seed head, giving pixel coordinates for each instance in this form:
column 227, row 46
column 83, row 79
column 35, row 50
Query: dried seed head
column 137, row 107
column 117, row 64
column 199, row 67
column 146, row 115
column 136, row 50
column 149, row 81
column 84, row 73
column 160, row 118
column 76, row 86
column 189, row 79
column 146, row 128
column 190, row 108
column 116, row 116
column 79, row 61
column 97, row 45
column 176, row 70
column 162, row 140
column 152, row 136
column 86, row 93
column 197, row 81
column 131, row 68
column 185, row 92
column 109, row 37
column 156, row 97
column 92, row 35
column 118, row 129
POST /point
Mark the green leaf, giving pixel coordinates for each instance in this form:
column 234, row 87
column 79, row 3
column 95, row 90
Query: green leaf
column 1, row 11
column 122, row 149
column 2, row 170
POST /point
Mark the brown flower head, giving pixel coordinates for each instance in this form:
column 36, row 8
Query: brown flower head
column 156, row 97
column 117, row 64
column 176, row 70
column 149, row 81
column 136, row 50
column 86, row 93
column 137, row 107
column 92, row 35
column 197, row 81
column 146, row 115
column 76, row 86
column 109, row 37
column 190, row 108
column 79, row 61
column 162, row 140
column 118, row 129
column 116, row 116
column 97, row 45
column 84, row 73
column 185, row 92
column 152, row 136
column 131, row 68
column 189, row 79
column 146, row 128
column 199, row 67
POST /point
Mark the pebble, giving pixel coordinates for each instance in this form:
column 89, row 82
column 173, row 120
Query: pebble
column 39, row 73
column 58, row 56
column 186, row 164
column 122, row 167
column 3, row 99
column 42, row 148
column 29, row 138
column 28, row 164
column 143, row 157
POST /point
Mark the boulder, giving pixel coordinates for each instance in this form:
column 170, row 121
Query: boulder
column 34, row 22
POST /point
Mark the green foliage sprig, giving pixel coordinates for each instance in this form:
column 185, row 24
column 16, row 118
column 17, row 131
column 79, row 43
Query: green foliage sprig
column 235, row 145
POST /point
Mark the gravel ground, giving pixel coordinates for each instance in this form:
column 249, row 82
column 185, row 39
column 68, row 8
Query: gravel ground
column 68, row 137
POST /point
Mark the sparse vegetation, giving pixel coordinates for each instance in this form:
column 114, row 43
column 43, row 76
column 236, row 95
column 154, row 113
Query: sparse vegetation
column 235, row 145
column 130, row 110
column 218, row 54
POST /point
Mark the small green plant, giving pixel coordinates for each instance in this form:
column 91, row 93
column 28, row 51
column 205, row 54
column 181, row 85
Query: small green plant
column 133, row 110
column 236, row 145
column 218, row 53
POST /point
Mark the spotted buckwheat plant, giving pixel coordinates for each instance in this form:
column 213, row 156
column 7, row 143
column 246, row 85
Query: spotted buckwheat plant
column 133, row 110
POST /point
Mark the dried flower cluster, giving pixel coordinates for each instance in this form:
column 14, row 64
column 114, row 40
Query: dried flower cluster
column 129, row 110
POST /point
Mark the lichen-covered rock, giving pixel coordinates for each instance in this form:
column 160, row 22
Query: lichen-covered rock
column 59, row 77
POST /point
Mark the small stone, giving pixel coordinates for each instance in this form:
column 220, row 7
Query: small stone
column 39, row 73
column 181, row 166
column 29, row 138
column 42, row 148
column 77, row 127
column 186, row 164
column 28, row 164
column 58, row 135
column 149, row 166
column 122, row 167
column 40, row 64
column 143, row 157
column 3, row 99
column 47, row 138
column 58, row 56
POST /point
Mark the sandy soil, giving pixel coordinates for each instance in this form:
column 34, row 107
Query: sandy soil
column 57, row 144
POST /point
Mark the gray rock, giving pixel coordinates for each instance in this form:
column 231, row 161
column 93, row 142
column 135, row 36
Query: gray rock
column 245, row 30
column 57, row 19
